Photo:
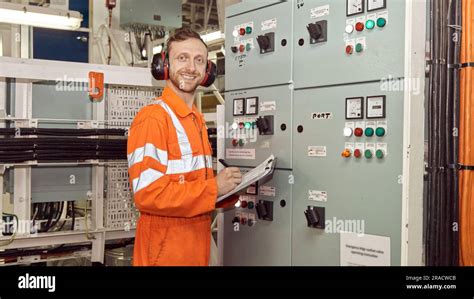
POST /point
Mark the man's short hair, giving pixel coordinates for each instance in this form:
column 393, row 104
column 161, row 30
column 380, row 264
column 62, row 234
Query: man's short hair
column 181, row 35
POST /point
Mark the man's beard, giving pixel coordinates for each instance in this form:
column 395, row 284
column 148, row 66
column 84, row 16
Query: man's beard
column 184, row 85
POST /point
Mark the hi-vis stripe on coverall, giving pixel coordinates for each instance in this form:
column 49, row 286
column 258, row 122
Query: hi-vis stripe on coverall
column 170, row 168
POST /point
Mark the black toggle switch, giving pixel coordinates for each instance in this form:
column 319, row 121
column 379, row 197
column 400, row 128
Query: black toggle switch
column 234, row 49
column 266, row 42
column 315, row 216
column 265, row 125
column 236, row 220
column 265, row 210
column 318, row 32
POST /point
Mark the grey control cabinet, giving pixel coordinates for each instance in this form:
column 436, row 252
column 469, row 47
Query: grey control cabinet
column 344, row 95
column 253, row 64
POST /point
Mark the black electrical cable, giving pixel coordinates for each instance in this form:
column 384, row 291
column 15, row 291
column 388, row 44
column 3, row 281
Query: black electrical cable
column 73, row 212
column 131, row 48
column 49, row 215
column 58, row 216
column 429, row 195
column 456, row 125
column 448, row 136
column 441, row 137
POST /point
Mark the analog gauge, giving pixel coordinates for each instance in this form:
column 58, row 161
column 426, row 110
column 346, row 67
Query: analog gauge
column 376, row 4
column 354, row 108
column 239, row 106
column 355, row 7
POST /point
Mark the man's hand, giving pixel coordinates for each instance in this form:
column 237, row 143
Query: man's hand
column 227, row 180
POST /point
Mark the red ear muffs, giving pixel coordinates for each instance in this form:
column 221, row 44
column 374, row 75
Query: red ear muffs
column 211, row 74
column 160, row 69
column 160, row 66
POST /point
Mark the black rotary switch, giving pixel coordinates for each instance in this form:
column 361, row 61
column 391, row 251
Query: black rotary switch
column 263, row 42
column 315, row 31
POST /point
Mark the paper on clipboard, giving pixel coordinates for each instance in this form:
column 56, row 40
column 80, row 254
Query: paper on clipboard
column 259, row 173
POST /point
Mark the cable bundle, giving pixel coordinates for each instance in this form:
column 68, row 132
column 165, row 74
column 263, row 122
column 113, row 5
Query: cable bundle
column 442, row 238
column 19, row 150
column 62, row 132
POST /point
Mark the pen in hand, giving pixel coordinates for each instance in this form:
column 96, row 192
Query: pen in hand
column 223, row 162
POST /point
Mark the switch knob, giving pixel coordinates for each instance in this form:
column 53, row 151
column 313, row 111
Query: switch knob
column 236, row 220
column 315, row 31
column 251, row 222
column 263, row 42
column 235, row 142
column 262, row 124
column 251, row 205
column 243, row 221
column 234, row 49
column 242, row 48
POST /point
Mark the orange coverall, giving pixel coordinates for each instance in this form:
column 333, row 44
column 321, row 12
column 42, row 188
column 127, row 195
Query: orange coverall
column 171, row 175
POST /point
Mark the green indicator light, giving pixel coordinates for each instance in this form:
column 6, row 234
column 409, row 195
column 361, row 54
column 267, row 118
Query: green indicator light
column 368, row 154
column 380, row 132
column 370, row 24
column 248, row 30
column 379, row 154
column 248, row 126
column 369, row 132
column 241, row 142
column 381, row 22
column 359, row 48
column 250, row 205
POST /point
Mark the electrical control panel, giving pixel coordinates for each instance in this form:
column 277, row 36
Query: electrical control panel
column 257, row 120
column 341, row 124
column 258, row 231
column 354, row 174
column 258, row 44
column 364, row 41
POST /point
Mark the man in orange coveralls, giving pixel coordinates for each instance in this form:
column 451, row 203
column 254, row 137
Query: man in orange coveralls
column 170, row 163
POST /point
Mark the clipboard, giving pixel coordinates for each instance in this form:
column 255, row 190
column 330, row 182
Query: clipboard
column 262, row 174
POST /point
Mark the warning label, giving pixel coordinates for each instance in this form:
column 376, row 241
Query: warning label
column 240, row 154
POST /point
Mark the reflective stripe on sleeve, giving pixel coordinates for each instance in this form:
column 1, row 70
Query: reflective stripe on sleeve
column 149, row 150
column 146, row 178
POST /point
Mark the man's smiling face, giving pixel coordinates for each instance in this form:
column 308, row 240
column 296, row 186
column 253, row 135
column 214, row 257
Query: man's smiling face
column 188, row 60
